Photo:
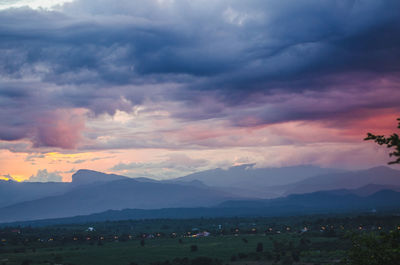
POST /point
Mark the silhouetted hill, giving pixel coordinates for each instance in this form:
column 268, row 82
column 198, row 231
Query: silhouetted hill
column 365, row 190
column 118, row 194
column 383, row 176
column 85, row 176
column 248, row 181
column 374, row 188
column 92, row 191
column 301, row 204
column 12, row 192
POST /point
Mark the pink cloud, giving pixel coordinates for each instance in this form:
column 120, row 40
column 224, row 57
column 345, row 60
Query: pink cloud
column 61, row 128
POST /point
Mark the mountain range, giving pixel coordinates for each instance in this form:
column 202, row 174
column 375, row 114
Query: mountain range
column 239, row 187
column 323, row 202
column 93, row 197
column 249, row 181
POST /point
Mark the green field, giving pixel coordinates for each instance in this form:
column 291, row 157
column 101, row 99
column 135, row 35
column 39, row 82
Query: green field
column 223, row 248
column 251, row 241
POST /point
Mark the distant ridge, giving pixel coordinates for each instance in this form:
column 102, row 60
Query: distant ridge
column 383, row 176
column 97, row 196
column 293, row 205
column 249, row 181
column 93, row 192
column 86, row 176
column 237, row 175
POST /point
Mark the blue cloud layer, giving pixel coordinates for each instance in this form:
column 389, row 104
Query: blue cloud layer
column 106, row 56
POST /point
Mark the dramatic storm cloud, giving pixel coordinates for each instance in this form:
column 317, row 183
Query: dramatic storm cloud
column 199, row 77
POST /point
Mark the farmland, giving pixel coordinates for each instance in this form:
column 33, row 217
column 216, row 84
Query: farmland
column 285, row 240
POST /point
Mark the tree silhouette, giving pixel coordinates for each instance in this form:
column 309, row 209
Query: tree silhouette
column 372, row 249
column 193, row 248
column 392, row 141
column 259, row 247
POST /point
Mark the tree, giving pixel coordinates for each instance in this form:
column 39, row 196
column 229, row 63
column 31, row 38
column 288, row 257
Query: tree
column 193, row 248
column 391, row 142
column 259, row 247
column 372, row 249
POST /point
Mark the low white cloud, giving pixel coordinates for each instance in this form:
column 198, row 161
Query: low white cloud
column 174, row 166
column 43, row 175
column 34, row 4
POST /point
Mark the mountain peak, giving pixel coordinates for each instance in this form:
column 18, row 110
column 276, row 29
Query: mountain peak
column 86, row 176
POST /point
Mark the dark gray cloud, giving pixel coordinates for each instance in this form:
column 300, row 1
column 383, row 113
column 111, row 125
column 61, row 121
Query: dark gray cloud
column 242, row 61
column 273, row 43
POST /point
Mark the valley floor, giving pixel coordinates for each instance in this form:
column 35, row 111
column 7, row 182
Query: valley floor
column 235, row 241
column 226, row 249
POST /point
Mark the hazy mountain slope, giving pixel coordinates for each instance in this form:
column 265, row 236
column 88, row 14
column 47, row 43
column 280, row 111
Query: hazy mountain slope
column 119, row 194
column 85, row 176
column 12, row 192
column 374, row 188
column 323, row 201
column 364, row 191
column 248, row 181
column 252, row 177
column 347, row 180
column 92, row 191
column 313, row 203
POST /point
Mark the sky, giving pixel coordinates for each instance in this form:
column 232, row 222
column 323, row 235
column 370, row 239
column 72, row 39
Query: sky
column 164, row 88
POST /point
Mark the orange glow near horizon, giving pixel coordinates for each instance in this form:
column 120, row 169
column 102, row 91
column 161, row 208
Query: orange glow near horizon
column 4, row 178
column 275, row 145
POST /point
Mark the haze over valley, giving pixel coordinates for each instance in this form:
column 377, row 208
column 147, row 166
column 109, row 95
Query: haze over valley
column 273, row 189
